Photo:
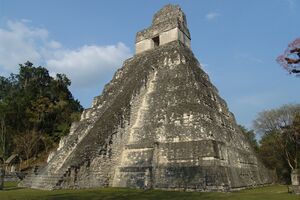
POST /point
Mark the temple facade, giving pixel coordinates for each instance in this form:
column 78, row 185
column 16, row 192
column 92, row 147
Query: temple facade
column 159, row 123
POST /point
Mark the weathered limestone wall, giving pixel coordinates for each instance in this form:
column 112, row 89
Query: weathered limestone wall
column 169, row 24
column 159, row 123
column 164, row 38
column 172, row 35
column 138, row 151
column 195, row 136
column 144, row 45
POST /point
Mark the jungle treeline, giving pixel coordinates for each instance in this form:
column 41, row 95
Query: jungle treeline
column 36, row 110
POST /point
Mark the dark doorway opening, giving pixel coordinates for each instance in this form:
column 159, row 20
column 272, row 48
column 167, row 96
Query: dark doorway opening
column 156, row 41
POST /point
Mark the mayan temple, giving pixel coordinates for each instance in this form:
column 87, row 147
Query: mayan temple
column 159, row 123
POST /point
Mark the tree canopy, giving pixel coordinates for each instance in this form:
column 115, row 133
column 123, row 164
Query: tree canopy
column 280, row 131
column 36, row 110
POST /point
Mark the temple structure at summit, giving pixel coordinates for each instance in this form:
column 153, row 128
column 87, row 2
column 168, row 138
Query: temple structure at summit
column 159, row 123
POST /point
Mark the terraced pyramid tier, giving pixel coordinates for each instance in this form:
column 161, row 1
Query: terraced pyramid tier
column 159, row 123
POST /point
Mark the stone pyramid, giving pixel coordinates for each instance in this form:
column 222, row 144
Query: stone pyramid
column 159, row 123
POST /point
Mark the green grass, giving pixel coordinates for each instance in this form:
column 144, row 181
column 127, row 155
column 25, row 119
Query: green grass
column 276, row 192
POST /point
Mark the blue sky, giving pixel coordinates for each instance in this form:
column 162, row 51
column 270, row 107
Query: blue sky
column 236, row 41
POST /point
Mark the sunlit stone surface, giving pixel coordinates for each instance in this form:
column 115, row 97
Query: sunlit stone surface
column 159, row 123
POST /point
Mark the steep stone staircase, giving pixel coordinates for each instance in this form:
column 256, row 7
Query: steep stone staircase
column 43, row 181
column 50, row 181
column 51, row 176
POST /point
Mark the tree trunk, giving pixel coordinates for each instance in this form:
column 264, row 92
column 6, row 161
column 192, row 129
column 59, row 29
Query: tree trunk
column 2, row 173
column 3, row 137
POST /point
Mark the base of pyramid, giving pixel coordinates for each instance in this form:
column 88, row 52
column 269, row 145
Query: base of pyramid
column 206, row 165
column 161, row 124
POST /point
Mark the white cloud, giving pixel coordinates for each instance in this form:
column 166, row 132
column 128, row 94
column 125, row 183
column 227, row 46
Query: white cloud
column 89, row 63
column 54, row 44
column 17, row 45
column 212, row 15
column 25, row 31
column 20, row 42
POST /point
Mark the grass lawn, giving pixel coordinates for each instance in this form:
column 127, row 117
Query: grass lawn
column 276, row 192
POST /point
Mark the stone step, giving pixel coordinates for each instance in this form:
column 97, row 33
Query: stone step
column 43, row 175
column 40, row 184
column 42, row 181
column 149, row 146
column 45, row 180
column 133, row 169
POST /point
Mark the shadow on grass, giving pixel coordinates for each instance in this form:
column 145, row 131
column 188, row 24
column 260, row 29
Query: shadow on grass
column 12, row 188
column 130, row 195
column 274, row 192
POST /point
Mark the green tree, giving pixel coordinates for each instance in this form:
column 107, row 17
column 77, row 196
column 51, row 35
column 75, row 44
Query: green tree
column 34, row 105
column 279, row 129
column 273, row 156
